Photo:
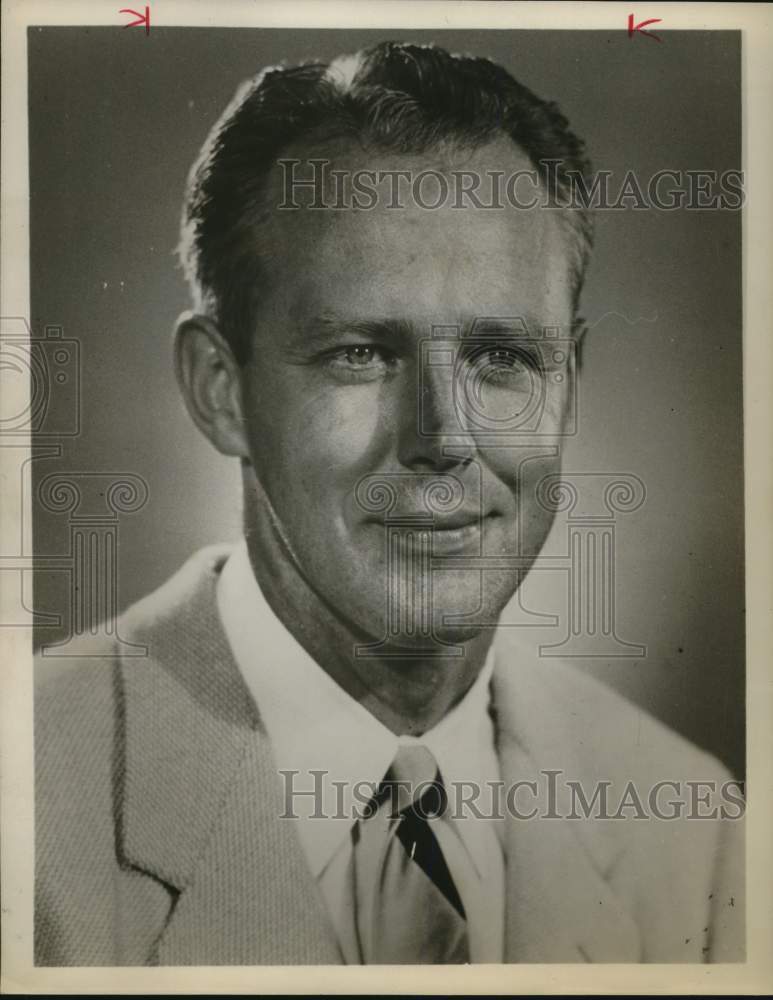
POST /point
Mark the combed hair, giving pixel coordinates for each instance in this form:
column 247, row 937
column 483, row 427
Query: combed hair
column 395, row 97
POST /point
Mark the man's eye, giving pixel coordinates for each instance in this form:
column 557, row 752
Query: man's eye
column 359, row 362
column 360, row 356
column 502, row 357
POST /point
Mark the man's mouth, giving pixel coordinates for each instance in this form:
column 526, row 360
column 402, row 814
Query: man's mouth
column 466, row 536
column 455, row 532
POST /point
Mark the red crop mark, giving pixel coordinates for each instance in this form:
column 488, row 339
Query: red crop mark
column 141, row 18
column 634, row 28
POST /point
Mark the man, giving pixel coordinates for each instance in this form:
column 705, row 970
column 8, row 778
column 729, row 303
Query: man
column 276, row 782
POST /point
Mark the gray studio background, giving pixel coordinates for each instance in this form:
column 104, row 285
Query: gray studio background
column 116, row 118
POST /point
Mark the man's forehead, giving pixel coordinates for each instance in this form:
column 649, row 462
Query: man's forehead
column 433, row 265
column 322, row 183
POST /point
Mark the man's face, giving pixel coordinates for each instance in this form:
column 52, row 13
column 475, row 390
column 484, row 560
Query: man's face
column 380, row 451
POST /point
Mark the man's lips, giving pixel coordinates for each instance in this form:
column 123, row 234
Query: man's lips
column 456, row 532
column 449, row 540
column 435, row 522
column 444, row 525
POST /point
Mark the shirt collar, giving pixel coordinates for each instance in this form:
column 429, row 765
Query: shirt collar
column 322, row 734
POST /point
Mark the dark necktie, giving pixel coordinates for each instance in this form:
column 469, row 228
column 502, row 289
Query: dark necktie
column 408, row 908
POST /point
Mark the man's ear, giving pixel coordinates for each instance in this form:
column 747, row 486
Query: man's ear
column 573, row 370
column 579, row 333
column 209, row 379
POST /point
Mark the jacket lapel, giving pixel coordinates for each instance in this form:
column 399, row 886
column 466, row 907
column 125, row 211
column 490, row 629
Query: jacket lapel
column 559, row 907
column 251, row 899
column 559, row 904
column 201, row 798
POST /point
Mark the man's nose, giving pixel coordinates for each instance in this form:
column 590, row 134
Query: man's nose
column 433, row 436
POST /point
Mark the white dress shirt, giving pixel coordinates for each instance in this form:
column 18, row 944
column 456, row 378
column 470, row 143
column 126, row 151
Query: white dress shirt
column 315, row 726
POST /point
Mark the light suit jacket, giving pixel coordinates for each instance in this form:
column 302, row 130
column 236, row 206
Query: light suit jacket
column 158, row 838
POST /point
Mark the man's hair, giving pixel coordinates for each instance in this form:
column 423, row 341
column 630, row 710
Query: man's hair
column 394, row 97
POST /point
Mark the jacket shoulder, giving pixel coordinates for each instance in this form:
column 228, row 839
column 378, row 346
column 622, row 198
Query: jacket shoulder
column 181, row 601
column 564, row 714
column 92, row 906
column 79, row 699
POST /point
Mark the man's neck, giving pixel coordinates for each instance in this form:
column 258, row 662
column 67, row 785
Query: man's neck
column 407, row 694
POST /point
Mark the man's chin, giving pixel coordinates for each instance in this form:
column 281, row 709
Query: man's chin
column 440, row 641
column 450, row 634
column 449, row 622
column 455, row 610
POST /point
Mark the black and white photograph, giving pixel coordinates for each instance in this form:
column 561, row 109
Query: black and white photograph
column 377, row 494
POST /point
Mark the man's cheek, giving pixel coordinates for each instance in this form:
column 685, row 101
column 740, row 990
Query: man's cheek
column 343, row 430
column 520, row 466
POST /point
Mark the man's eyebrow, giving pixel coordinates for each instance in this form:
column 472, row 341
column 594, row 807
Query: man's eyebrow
column 513, row 326
column 326, row 330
